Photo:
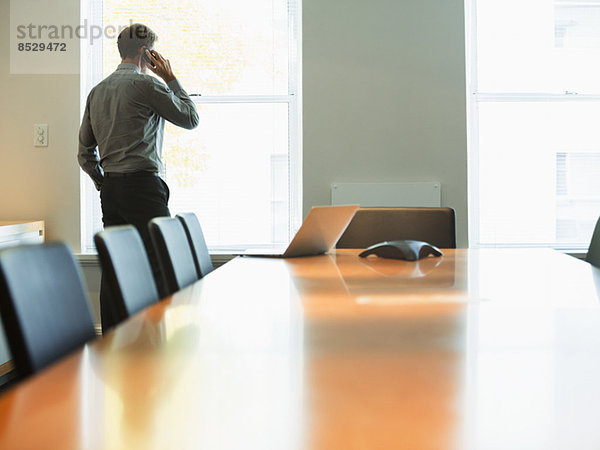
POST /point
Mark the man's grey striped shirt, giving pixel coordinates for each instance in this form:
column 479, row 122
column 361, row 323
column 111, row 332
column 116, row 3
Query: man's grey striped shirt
column 124, row 119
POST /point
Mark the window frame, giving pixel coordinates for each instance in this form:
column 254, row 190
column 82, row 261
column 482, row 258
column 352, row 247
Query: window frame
column 475, row 97
column 91, row 74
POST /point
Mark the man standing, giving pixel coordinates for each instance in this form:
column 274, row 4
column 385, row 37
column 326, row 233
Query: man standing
column 120, row 142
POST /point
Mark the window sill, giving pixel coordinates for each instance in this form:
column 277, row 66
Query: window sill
column 91, row 259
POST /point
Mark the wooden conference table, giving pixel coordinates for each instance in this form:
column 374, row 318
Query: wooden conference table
column 481, row 349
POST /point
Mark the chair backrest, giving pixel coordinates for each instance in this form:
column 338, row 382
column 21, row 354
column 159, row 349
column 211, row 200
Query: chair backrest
column 593, row 254
column 125, row 263
column 173, row 252
column 44, row 305
column 373, row 225
column 193, row 231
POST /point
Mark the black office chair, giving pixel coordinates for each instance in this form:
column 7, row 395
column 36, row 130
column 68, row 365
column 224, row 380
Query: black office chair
column 125, row 263
column 373, row 225
column 173, row 252
column 193, row 231
column 44, row 305
column 593, row 254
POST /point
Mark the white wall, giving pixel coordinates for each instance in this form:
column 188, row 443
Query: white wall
column 385, row 97
column 39, row 183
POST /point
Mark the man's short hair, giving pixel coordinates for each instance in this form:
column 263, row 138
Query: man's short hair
column 132, row 38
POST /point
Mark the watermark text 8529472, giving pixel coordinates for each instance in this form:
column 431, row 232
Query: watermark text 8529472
column 42, row 47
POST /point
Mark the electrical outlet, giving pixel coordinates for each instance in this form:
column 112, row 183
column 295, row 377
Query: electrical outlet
column 40, row 135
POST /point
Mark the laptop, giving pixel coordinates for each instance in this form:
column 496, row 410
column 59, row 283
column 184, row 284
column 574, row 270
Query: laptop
column 319, row 232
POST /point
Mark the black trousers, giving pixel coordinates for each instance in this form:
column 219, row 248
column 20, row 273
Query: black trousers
column 134, row 199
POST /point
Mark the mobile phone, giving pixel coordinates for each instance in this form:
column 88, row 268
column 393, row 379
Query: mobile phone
column 147, row 58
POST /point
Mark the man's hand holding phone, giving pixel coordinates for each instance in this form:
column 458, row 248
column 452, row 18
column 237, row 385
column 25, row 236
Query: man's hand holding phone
column 159, row 65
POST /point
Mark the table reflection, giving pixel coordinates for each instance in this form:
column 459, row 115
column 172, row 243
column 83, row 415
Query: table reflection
column 375, row 371
column 533, row 351
column 212, row 359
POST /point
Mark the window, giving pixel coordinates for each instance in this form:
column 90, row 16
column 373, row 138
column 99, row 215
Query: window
column 534, row 107
column 240, row 170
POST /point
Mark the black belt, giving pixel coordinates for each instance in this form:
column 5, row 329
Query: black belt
column 130, row 174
